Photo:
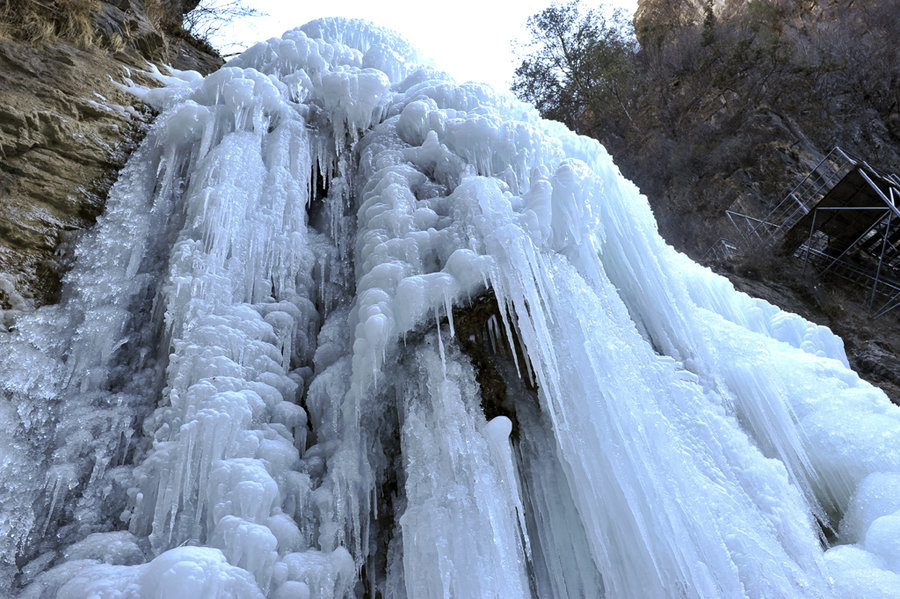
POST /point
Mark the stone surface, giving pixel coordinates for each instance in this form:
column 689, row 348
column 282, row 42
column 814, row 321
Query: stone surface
column 66, row 128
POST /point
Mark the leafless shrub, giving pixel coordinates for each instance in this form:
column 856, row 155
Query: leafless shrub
column 39, row 21
column 209, row 16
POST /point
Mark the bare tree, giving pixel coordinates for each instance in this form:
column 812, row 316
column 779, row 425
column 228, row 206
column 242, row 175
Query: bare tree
column 209, row 16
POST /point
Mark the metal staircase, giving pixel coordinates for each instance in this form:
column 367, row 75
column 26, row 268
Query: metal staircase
column 842, row 219
column 796, row 203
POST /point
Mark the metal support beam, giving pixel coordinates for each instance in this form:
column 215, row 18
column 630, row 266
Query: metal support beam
column 812, row 229
column 888, row 201
column 887, row 230
column 857, row 240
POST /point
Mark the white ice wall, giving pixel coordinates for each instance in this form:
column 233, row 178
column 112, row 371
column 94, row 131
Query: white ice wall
column 255, row 359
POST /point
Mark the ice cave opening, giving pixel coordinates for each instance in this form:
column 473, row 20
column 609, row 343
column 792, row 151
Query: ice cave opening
column 350, row 328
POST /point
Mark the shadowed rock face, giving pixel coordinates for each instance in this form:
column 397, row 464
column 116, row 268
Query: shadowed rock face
column 66, row 128
column 750, row 153
column 482, row 337
column 61, row 144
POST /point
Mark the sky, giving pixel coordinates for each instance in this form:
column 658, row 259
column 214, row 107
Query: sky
column 471, row 41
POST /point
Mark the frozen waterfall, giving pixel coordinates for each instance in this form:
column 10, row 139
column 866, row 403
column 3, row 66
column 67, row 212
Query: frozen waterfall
column 349, row 328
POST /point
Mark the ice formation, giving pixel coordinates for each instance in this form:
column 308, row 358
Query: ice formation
column 349, row 328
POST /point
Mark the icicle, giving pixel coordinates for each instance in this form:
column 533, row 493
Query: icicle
column 437, row 327
column 448, row 307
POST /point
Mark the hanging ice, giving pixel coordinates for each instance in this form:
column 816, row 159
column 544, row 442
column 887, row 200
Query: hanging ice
column 349, row 328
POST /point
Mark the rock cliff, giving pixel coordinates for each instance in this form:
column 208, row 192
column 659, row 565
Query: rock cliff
column 67, row 125
column 756, row 94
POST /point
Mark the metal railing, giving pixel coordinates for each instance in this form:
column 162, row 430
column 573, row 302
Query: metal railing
column 720, row 251
column 885, row 291
column 800, row 200
column 884, row 279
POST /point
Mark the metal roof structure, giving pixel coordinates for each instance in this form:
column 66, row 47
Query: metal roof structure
column 843, row 218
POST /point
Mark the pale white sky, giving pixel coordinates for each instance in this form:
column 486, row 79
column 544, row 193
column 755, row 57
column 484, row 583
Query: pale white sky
column 470, row 39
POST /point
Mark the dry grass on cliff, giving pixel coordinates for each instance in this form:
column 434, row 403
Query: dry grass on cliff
column 40, row 21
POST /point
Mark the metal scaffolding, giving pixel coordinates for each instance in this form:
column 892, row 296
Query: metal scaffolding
column 841, row 219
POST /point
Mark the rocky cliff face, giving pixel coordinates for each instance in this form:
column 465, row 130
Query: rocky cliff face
column 761, row 92
column 67, row 126
column 745, row 97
